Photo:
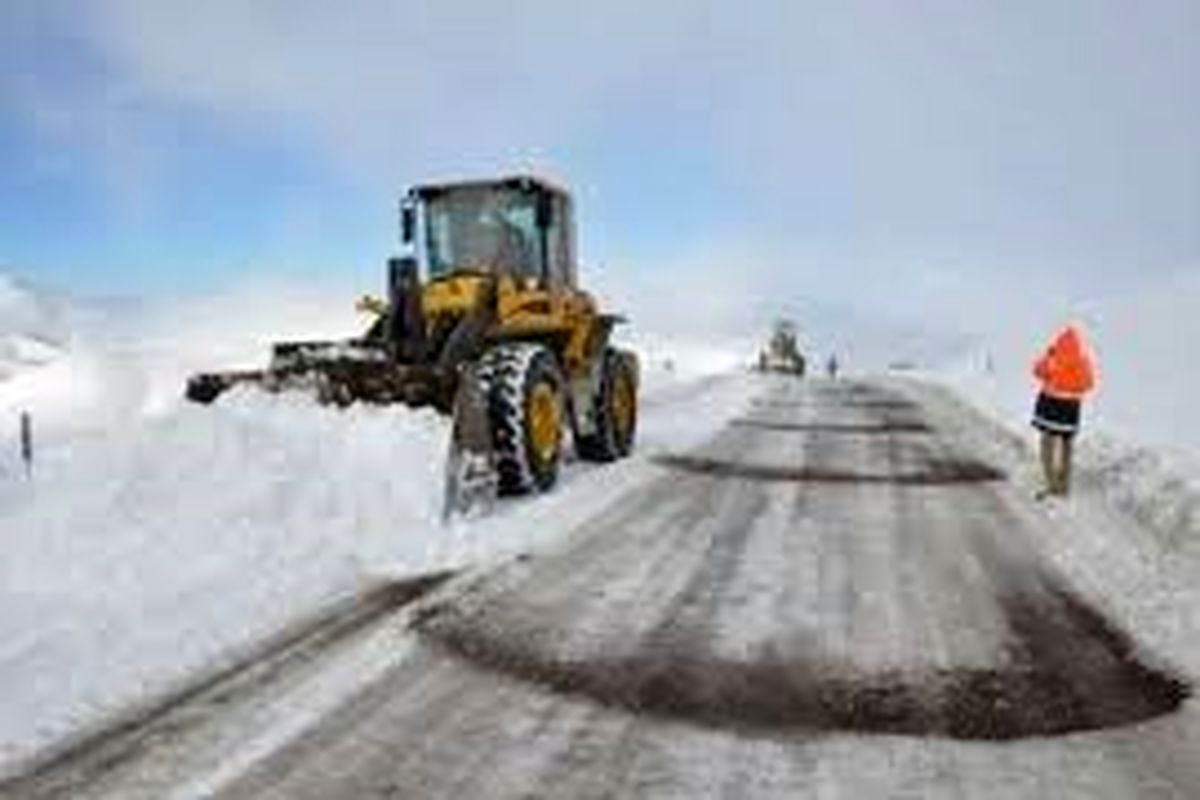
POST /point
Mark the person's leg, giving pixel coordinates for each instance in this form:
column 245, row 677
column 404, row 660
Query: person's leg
column 1064, row 467
column 1048, row 471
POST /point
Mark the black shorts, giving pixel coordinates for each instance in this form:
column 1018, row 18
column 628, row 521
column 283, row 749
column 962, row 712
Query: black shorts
column 1056, row 414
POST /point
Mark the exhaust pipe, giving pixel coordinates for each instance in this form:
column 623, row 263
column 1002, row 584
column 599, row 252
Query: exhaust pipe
column 406, row 316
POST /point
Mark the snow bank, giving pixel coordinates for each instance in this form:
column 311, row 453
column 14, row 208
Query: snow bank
column 138, row 555
column 1159, row 489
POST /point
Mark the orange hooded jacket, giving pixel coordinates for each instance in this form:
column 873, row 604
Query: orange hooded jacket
column 1065, row 369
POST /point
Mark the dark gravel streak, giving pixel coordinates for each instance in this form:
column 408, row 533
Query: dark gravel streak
column 934, row 472
column 882, row 427
column 1043, row 691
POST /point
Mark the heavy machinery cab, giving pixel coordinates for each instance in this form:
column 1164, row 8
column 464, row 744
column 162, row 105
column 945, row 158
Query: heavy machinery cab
column 486, row 262
column 520, row 226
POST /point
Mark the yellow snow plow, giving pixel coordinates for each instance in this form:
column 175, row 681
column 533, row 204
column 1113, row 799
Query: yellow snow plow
column 782, row 353
column 484, row 320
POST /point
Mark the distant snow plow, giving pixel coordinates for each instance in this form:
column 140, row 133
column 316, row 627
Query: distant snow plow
column 782, row 353
column 498, row 335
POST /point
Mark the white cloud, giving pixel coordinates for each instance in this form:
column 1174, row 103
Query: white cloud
column 389, row 83
column 1010, row 144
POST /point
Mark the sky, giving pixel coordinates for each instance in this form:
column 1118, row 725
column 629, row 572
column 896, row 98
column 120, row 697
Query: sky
column 920, row 160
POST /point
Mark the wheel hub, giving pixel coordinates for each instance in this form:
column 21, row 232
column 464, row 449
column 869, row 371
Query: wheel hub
column 545, row 427
column 622, row 405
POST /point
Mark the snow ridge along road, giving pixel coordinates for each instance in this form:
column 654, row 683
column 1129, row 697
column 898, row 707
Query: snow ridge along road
column 834, row 597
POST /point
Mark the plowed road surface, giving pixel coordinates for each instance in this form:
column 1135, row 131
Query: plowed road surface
column 835, row 597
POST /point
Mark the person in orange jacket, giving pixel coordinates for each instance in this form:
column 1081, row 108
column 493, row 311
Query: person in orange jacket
column 1066, row 375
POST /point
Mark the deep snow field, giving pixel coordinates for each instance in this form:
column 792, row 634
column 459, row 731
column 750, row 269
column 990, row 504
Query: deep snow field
column 156, row 537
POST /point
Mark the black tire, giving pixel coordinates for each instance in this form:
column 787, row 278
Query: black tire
column 612, row 438
column 510, row 376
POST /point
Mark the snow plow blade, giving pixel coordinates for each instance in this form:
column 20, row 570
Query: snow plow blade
column 335, row 373
column 207, row 387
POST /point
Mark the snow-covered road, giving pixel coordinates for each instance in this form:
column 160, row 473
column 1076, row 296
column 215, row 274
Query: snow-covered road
column 842, row 594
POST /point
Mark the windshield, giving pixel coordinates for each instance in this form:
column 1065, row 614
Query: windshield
column 488, row 229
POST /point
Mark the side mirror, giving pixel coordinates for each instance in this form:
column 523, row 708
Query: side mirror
column 408, row 222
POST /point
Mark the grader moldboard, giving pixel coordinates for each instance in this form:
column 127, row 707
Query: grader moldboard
column 497, row 334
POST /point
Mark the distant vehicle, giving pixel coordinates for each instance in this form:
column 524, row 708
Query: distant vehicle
column 782, row 353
